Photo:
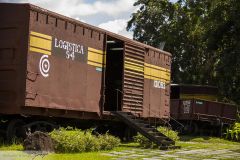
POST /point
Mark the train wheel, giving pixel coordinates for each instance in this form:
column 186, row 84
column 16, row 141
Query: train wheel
column 41, row 126
column 195, row 128
column 15, row 129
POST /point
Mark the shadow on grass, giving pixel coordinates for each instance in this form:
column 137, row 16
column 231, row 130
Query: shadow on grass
column 136, row 145
column 207, row 139
column 187, row 138
column 130, row 145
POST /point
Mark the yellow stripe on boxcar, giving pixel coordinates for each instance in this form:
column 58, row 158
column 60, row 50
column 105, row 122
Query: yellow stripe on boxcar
column 41, row 35
column 40, row 51
column 40, row 43
column 95, row 50
column 134, row 68
column 156, row 67
column 154, row 72
column 96, row 57
column 199, row 96
column 134, row 60
column 156, row 78
column 95, row 64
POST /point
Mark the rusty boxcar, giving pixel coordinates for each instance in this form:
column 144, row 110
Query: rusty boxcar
column 55, row 66
column 198, row 109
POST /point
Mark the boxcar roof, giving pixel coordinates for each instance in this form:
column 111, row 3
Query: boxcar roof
column 71, row 20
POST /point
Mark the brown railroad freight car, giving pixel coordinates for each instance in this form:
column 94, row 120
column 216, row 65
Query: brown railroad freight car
column 52, row 65
column 198, row 109
column 188, row 91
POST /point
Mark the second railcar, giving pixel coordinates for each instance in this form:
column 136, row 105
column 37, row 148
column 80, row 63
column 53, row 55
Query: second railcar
column 197, row 108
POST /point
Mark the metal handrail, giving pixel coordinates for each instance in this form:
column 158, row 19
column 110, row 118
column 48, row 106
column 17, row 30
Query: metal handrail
column 180, row 128
column 117, row 96
column 176, row 121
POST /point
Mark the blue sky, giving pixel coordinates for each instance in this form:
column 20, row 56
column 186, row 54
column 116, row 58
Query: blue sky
column 107, row 14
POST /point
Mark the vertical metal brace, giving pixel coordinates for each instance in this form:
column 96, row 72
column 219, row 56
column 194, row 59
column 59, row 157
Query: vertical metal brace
column 117, row 98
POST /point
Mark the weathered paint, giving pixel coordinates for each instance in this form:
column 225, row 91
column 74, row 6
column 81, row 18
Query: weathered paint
column 194, row 91
column 54, row 66
column 196, row 109
column 156, row 84
column 193, row 102
column 68, row 79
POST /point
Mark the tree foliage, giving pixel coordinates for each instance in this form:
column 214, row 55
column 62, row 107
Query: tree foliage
column 203, row 37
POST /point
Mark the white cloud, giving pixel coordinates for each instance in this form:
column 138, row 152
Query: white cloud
column 83, row 8
column 128, row 34
column 111, row 15
column 117, row 26
column 77, row 18
column 114, row 26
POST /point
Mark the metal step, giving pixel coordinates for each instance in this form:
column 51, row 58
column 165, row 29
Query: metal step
column 146, row 130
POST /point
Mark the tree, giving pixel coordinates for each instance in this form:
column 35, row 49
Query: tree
column 203, row 37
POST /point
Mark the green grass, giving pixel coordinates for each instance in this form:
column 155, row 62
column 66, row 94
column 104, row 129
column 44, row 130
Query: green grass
column 84, row 156
column 186, row 142
column 13, row 147
column 205, row 139
column 68, row 156
column 207, row 142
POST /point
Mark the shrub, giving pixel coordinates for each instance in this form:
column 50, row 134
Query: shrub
column 169, row 133
column 233, row 133
column 143, row 141
column 76, row 140
column 146, row 143
column 108, row 142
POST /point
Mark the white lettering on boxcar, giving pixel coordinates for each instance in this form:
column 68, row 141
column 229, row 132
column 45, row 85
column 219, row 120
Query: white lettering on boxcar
column 159, row 84
column 70, row 48
column 186, row 106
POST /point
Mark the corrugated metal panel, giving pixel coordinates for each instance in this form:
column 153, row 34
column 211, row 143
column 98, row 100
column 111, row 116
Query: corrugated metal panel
column 133, row 85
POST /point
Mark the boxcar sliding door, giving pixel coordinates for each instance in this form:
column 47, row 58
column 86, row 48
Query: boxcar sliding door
column 133, row 78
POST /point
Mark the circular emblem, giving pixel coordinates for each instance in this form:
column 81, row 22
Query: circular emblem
column 44, row 65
